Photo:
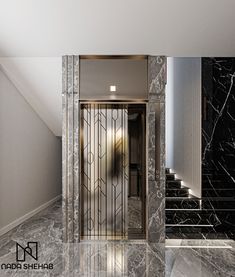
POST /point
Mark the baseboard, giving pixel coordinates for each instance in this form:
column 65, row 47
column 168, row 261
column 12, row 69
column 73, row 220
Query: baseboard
column 20, row 220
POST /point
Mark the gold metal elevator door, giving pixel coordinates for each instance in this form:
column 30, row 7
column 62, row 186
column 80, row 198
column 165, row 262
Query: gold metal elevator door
column 104, row 171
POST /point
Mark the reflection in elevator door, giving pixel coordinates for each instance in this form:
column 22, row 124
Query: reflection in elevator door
column 104, row 171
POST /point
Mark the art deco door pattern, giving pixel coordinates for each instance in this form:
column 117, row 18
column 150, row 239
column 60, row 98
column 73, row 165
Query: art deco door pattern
column 104, row 171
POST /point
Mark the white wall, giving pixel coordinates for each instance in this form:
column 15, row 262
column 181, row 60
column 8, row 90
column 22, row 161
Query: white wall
column 30, row 157
column 183, row 121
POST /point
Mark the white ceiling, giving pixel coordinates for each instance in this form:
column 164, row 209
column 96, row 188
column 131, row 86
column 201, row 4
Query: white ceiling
column 42, row 31
column 169, row 27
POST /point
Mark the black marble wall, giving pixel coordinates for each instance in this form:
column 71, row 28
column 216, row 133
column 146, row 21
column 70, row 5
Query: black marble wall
column 218, row 142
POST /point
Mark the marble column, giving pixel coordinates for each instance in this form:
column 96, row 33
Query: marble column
column 70, row 145
column 156, row 149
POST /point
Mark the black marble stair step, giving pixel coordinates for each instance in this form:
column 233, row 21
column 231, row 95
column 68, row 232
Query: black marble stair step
column 193, row 232
column 218, row 192
column 182, row 202
column 177, row 192
column 173, row 184
column 197, row 228
column 193, row 217
column 198, row 233
column 214, row 217
column 170, row 176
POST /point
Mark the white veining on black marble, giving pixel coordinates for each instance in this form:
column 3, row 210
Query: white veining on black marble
column 218, row 148
column 212, row 216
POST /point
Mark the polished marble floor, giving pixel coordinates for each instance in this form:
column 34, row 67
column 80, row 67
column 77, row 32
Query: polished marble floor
column 176, row 258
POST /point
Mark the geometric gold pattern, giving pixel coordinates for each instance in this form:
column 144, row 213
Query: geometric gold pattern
column 104, row 171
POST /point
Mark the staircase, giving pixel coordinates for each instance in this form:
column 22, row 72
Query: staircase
column 218, row 198
column 184, row 216
column 191, row 217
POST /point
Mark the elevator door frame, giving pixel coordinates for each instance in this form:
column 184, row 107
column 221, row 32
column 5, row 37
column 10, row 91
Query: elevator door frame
column 145, row 216
column 133, row 233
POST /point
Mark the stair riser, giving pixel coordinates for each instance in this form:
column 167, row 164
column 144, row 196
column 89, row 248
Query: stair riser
column 173, row 185
column 205, row 218
column 199, row 233
column 177, row 193
column 196, row 229
column 200, row 217
column 182, row 204
column 170, row 177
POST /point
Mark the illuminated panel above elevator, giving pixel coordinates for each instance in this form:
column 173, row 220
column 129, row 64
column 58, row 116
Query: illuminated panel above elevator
column 113, row 78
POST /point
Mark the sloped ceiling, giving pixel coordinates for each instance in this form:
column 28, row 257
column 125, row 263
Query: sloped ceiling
column 39, row 82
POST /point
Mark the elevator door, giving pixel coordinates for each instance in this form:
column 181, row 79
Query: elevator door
column 104, row 171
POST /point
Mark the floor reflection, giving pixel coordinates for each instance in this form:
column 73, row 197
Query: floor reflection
column 200, row 258
column 178, row 258
column 114, row 259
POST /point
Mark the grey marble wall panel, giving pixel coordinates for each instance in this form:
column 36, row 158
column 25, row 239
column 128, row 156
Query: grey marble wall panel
column 70, row 144
column 156, row 149
column 156, row 78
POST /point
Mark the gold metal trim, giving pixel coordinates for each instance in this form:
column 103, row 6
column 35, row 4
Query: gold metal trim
column 106, row 57
column 136, row 101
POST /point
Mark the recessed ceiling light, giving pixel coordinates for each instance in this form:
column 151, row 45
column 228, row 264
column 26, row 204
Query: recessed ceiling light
column 112, row 88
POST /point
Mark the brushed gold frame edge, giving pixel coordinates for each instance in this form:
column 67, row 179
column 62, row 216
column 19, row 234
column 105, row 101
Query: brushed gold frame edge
column 107, row 57
column 110, row 101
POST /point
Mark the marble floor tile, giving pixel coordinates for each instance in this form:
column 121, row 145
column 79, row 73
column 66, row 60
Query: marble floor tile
column 176, row 258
